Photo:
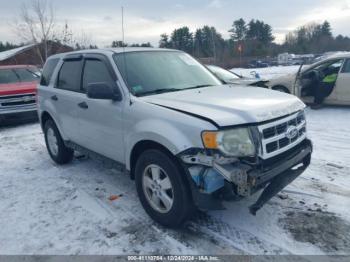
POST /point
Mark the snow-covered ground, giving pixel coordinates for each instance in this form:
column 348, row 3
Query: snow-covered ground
column 50, row 209
column 268, row 72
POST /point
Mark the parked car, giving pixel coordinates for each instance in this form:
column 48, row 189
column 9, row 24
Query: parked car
column 17, row 90
column 301, row 83
column 228, row 77
column 159, row 115
column 258, row 64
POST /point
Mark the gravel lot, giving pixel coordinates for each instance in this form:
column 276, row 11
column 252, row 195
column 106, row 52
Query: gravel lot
column 50, row 209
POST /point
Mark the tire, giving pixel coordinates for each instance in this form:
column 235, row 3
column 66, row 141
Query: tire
column 281, row 89
column 170, row 215
column 55, row 145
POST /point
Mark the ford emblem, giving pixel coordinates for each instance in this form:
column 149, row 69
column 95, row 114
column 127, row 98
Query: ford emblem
column 292, row 132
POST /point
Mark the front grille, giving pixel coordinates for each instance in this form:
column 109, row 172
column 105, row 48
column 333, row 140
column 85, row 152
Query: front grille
column 16, row 100
column 280, row 135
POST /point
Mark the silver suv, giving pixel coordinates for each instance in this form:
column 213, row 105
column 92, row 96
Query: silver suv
column 163, row 118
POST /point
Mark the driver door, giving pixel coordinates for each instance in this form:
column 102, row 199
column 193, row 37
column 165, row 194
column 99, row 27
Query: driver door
column 343, row 83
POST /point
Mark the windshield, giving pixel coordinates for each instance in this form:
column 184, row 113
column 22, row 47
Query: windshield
column 223, row 74
column 27, row 74
column 152, row 72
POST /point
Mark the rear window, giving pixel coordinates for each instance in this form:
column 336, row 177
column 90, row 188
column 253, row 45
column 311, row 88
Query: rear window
column 8, row 76
column 26, row 75
column 48, row 71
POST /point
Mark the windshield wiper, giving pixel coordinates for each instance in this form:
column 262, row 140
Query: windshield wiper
column 198, row 86
column 158, row 91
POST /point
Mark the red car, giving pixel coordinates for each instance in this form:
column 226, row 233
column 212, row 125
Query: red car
column 18, row 89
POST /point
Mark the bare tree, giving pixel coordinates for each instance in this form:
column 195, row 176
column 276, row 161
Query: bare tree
column 36, row 24
column 84, row 41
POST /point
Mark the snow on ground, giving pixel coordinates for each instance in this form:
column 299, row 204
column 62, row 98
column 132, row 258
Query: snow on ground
column 268, row 72
column 50, row 209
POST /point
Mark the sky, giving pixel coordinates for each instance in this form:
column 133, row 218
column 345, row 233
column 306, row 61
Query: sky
column 100, row 20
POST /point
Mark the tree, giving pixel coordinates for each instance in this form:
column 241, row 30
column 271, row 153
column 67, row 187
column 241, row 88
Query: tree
column 164, row 41
column 238, row 30
column 208, row 42
column 311, row 38
column 118, row 43
column 182, row 39
column 326, row 29
column 147, row 44
column 36, row 25
column 7, row 46
column 259, row 31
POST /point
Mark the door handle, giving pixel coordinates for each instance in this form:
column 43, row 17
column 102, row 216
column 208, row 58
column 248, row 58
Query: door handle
column 54, row 98
column 83, row 105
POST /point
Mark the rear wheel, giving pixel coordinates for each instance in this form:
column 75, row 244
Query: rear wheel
column 55, row 145
column 162, row 189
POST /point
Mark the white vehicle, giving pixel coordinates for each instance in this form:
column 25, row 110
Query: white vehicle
column 163, row 118
column 229, row 77
column 303, row 82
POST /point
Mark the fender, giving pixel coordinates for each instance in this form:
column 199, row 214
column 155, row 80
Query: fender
column 163, row 135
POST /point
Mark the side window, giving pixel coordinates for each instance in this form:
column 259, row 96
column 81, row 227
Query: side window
column 25, row 75
column 69, row 76
column 346, row 67
column 335, row 67
column 8, row 76
column 96, row 71
column 48, row 71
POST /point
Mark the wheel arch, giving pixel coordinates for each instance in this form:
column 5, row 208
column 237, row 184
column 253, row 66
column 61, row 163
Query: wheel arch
column 142, row 146
column 281, row 87
column 46, row 115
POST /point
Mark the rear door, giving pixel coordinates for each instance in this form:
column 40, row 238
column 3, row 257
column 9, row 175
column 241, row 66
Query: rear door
column 67, row 95
column 101, row 120
column 343, row 83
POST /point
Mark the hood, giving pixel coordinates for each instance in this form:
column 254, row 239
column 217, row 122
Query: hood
column 229, row 104
column 18, row 88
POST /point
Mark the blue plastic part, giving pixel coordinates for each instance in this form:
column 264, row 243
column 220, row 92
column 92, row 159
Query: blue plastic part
column 213, row 181
column 209, row 180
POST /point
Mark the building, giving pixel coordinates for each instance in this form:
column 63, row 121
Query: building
column 30, row 54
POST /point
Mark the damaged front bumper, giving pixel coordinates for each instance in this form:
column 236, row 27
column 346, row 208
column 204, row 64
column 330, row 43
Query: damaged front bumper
column 215, row 178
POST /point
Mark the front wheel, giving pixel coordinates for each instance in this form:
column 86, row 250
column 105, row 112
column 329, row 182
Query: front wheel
column 162, row 189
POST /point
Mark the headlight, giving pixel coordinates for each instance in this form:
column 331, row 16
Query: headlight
column 233, row 142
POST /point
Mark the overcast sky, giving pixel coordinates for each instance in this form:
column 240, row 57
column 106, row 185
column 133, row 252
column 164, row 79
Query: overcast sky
column 146, row 20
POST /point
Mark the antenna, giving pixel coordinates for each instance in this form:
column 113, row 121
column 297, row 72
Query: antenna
column 123, row 43
column 124, row 57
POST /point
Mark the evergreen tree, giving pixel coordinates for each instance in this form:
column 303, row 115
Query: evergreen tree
column 238, row 30
column 182, row 39
column 164, row 41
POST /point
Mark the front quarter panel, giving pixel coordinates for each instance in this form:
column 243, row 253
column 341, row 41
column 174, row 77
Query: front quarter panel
column 286, row 81
column 174, row 130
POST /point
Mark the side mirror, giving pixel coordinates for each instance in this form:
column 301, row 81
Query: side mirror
column 104, row 91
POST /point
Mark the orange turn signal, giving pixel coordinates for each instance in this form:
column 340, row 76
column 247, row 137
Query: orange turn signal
column 209, row 139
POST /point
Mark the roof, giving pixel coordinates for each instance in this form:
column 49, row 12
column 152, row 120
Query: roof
column 10, row 53
column 340, row 55
column 114, row 50
column 16, row 66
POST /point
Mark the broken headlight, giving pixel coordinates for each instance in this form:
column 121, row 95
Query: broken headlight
column 233, row 142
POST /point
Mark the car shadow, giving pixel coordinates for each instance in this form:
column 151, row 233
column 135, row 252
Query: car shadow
column 18, row 120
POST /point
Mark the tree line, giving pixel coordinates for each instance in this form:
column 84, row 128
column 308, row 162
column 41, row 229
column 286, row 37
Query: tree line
column 36, row 24
column 254, row 39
